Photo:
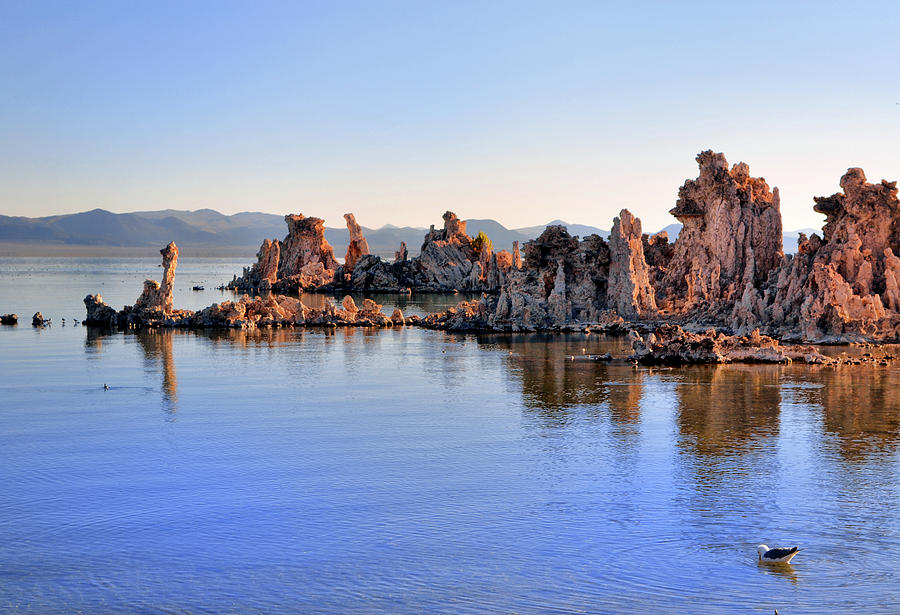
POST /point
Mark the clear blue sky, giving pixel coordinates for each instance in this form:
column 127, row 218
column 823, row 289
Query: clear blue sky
column 519, row 111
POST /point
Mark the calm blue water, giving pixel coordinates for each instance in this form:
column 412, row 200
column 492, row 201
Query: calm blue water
column 411, row 471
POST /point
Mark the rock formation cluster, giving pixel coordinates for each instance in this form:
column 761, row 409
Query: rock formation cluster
column 844, row 286
column 726, row 270
column 304, row 260
column 447, row 262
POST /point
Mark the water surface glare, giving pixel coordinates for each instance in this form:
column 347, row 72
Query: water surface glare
column 411, row 471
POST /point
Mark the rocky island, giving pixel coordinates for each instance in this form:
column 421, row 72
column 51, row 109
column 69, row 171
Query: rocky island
column 723, row 291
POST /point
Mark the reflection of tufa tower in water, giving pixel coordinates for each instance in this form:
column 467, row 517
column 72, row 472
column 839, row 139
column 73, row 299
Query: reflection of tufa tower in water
column 157, row 347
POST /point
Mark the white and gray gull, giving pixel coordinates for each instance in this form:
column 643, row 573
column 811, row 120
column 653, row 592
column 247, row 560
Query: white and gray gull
column 776, row 556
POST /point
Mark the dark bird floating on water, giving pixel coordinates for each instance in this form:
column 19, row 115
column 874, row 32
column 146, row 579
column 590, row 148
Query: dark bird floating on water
column 105, row 387
column 776, row 556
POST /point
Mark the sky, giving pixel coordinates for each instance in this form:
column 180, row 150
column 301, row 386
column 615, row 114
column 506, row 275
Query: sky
column 521, row 111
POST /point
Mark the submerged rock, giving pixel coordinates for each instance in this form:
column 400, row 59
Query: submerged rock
column 670, row 344
column 38, row 320
column 9, row 319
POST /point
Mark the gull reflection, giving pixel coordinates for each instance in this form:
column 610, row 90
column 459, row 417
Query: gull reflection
column 785, row 571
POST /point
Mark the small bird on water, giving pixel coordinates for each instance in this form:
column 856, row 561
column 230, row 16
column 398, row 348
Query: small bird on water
column 776, row 556
column 105, row 387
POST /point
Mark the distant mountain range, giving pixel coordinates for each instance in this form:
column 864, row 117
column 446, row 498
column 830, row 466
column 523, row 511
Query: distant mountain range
column 244, row 232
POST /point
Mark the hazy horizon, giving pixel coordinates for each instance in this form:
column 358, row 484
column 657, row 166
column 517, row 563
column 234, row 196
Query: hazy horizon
column 519, row 112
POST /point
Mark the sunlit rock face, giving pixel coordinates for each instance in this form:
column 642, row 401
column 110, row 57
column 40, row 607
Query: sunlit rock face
column 402, row 254
column 731, row 238
column 358, row 245
column 268, row 259
column 447, row 257
column 446, row 263
column 307, row 259
column 629, row 291
column 264, row 273
column 157, row 296
column 844, row 286
column 303, row 260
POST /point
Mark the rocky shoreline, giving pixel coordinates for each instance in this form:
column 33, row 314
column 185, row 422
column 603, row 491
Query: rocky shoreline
column 725, row 279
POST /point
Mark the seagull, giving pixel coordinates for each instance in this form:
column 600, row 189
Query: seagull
column 776, row 556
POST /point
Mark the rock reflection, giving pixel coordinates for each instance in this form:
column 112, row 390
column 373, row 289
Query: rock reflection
column 625, row 397
column 723, row 409
column 94, row 336
column 861, row 407
column 245, row 338
column 549, row 381
column 157, row 347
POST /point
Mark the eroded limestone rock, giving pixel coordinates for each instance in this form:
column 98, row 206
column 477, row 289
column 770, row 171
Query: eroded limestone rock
column 358, row 245
column 562, row 281
column 447, row 257
column 402, row 254
column 629, row 291
column 446, row 263
column 731, row 238
column 304, row 260
column 305, row 244
column 157, row 296
column 99, row 313
column 843, row 286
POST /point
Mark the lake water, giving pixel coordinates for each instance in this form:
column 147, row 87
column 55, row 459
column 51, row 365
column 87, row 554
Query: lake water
column 413, row 471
